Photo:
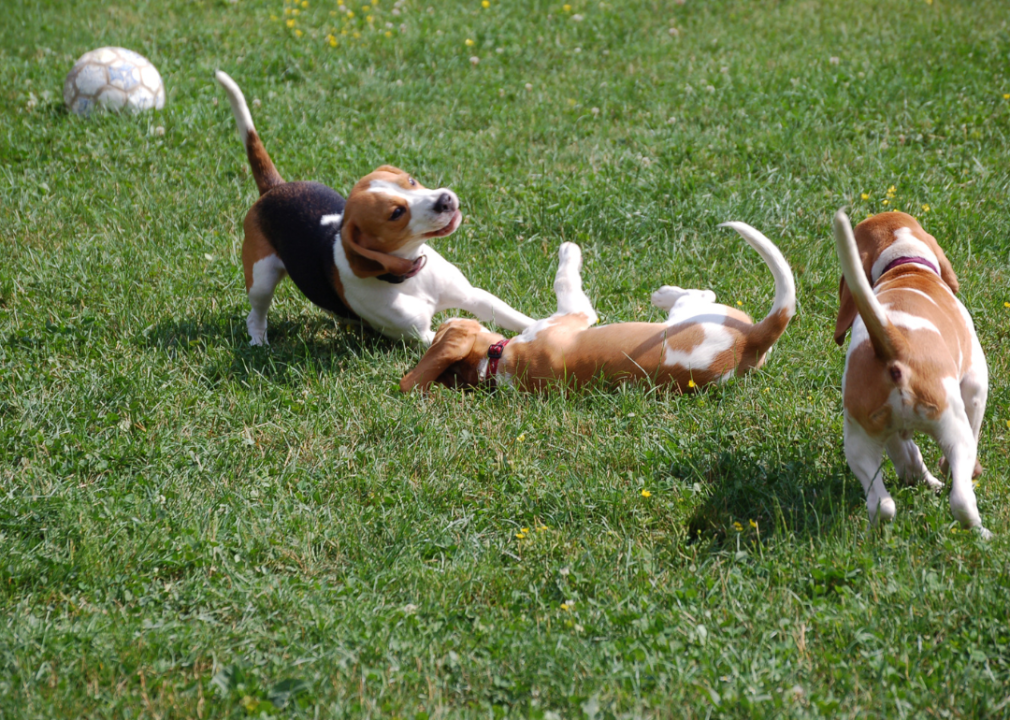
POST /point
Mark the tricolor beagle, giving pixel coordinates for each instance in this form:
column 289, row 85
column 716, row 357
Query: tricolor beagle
column 914, row 361
column 701, row 342
column 364, row 259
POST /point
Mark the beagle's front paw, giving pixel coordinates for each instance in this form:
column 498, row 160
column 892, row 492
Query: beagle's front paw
column 667, row 296
column 570, row 253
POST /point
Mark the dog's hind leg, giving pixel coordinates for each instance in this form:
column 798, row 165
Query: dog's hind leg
column 955, row 435
column 864, row 455
column 568, row 284
column 907, row 459
column 266, row 274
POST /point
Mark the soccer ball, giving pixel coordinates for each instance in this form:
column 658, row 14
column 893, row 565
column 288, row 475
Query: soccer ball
column 113, row 78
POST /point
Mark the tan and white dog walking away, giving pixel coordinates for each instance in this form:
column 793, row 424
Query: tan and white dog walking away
column 700, row 342
column 914, row 361
column 364, row 259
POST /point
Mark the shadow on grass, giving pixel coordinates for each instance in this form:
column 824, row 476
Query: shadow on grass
column 311, row 341
column 793, row 494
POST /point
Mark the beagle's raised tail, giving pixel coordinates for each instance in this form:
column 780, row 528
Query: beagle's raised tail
column 883, row 337
column 263, row 169
column 764, row 334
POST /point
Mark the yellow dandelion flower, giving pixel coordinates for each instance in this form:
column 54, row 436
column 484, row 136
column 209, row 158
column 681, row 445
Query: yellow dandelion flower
column 891, row 190
column 887, row 202
column 925, row 208
column 468, row 42
column 690, row 384
column 525, row 530
column 1006, row 96
column 273, row 17
column 522, row 436
column 865, row 196
column 355, row 35
column 738, row 527
column 753, row 524
column 739, row 302
column 295, row 11
column 333, row 41
column 305, row 3
column 290, row 23
column 541, row 528
column 298, row 33
column 350, row 13
column 520, row 535
column 646, row 494
column 366, row 8
column 485, row 4
column 566, row 8
column 1008, row 424
column 1006, row 304
column 369, row 18
column 953, row 529
column 287, row 11
column 565, row 606
column 333, row 13
column 389, row 34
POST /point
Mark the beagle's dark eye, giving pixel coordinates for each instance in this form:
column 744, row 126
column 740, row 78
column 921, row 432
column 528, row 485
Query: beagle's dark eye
column 412, row 181
column 397, row 212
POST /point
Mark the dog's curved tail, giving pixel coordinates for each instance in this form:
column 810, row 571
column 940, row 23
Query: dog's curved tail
column 262, row 166
column 883, row 336
column 764, row 333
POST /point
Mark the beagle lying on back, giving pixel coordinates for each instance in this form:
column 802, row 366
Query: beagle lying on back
column 365, row 258
column 914, row 362
column 701, row 342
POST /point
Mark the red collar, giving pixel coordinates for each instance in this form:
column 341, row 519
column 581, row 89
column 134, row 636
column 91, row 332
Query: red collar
column 494, row 354
column 911, row 260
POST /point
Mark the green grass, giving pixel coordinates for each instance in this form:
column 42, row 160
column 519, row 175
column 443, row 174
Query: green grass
column 193, row 527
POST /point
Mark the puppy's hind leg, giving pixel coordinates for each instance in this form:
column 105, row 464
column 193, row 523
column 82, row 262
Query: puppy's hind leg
column 568, row 284
column 955, row 436
column 864, row 455
column 266, row 274
column 907, row 459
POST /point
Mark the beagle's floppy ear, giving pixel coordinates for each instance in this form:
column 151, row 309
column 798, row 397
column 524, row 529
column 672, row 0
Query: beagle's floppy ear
column 846, row 312
column 453, row 342
column 947, row 273
column 370, row 263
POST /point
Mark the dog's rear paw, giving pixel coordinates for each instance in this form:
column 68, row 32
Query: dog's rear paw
column 982, row 532
column 882, row 511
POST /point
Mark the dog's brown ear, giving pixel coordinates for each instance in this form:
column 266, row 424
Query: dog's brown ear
column 947, row 271
column 846, row 312
column 369, row 263
column 453, row 342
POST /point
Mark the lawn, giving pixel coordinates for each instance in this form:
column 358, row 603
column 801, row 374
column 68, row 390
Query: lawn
column 193, row 527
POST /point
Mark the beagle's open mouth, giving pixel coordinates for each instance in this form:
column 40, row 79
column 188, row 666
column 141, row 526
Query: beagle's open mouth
column 457, row 218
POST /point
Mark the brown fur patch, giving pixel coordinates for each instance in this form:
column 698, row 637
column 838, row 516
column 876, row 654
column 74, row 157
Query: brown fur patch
column 255, row 246
column 263, row 169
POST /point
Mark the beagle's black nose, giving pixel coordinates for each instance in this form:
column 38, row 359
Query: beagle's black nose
column 445, row 203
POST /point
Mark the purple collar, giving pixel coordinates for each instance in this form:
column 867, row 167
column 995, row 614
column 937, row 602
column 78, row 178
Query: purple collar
column 910, row 260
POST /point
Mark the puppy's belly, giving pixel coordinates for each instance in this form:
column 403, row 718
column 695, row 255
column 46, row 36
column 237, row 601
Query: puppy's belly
column 291, row 216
